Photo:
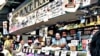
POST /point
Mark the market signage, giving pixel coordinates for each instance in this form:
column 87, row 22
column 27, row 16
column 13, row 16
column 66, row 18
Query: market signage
column 45, row 13
column 71, row 5
column 31, row 6
column 85, row 3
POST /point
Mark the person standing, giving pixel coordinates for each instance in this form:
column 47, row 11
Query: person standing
column 58, row 41
column 18, row 51
column 38, row 42
column 7, row 50
column 95, row 44
column 66, row 36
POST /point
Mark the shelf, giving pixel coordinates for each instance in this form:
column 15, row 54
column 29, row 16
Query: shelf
column 84, row 27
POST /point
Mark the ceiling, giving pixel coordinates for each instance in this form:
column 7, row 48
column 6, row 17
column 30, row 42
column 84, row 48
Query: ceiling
column 7, row 8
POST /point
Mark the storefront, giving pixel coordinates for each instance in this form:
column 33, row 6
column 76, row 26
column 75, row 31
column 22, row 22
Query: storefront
column 46, row 17
column 42, row 16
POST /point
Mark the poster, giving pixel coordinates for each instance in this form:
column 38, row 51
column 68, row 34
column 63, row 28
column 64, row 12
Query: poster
column 5, row 26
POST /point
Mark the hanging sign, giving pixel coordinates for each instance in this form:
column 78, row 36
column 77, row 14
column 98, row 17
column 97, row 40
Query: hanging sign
column 5, row 31
column 45, row 13
column 71, row 5
column 31, row 6
column 85, row 3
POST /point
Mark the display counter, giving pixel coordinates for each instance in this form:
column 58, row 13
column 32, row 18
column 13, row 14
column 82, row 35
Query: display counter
column 50, row 51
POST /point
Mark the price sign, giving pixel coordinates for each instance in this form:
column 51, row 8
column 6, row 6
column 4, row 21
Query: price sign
column 63, row 53
column 47, row 52
column 57, row 53
column 73, row 53
column 39, row 51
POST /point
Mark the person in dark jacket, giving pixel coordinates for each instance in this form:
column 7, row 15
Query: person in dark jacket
column 95, row 44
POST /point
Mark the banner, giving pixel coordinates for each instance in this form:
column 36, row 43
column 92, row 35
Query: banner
column 45, row 13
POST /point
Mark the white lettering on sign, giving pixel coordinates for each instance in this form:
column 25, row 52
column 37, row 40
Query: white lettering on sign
column 33, row 5
column 45, row 13
column 85, row 3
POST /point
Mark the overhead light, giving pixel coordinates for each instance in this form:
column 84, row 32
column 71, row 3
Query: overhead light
column 2, row 2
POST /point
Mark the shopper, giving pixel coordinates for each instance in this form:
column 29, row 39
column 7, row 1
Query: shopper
column 1, row 49
column 30, row 42
column 58, row 41
column 29, row 47
column 95, row 44
column 7, row 48
column 38, row 42
column 18, row 51
column 66, row 36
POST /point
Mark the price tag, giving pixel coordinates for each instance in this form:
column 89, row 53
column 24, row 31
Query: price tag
column 88, row 53
column 73, row 53
column 27, row 50
column 57, row 53
column 74, row 42
column 18, row 38
column 39, row 51
column 23, row 49
column 82, row 20
column 63, row 53
column 32, row 50
column 47, row 53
